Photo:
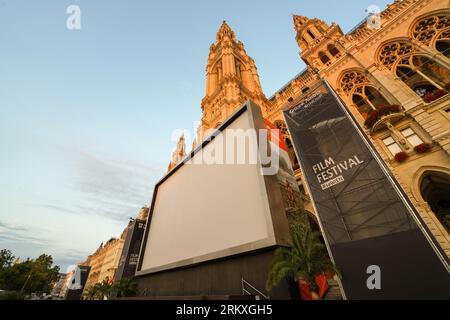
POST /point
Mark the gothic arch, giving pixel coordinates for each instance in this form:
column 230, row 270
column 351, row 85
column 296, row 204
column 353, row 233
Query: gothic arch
column 215, row 64
column 417, row 69
column 333, row 50
column 390, row 51
column 433, row 30
column 436, row 197
column 442, row 43
column 324, row 58
column 361, row 91
column 281, row 125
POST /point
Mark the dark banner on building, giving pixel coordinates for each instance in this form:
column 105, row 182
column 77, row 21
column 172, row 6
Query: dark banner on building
column 130, row 252
column 372, row 235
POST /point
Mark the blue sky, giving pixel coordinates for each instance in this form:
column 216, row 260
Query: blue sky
column 87, row 116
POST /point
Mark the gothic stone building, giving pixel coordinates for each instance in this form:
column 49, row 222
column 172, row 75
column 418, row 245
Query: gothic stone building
column 394, row 78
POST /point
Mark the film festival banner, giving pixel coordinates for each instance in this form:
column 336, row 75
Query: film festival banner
column 372, row 234
column 130, row 253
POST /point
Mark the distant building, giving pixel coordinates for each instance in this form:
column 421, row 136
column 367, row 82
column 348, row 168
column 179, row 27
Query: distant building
column 59, row 285
column 130, row 254
column 143, row 213
column 77, row 282
column 104, row 261
column 65, row 285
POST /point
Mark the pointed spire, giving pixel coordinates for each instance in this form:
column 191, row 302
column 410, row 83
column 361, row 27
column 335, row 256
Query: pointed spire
column 180, row 150
column 225, row 31
column 299, row 22
column 179, row 154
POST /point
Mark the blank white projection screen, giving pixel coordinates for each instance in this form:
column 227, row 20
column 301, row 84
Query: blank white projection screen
column 203, row 212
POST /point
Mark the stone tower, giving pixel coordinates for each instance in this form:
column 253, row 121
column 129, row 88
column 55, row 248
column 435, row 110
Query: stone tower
column 231, row 79
column 179, row 154
column 319, row 42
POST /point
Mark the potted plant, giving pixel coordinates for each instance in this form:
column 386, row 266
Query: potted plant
column 401, row 156
column 126, row 287
column 436, row 94
column 371, row 119
column 422, row 148
column 382, row 111
column 306, row 262
column 99, row 291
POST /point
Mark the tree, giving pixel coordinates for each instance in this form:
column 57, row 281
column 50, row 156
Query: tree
column 30, row 275
column 126, row 287
column 14, row 277
column 6, row 258
column 42, row 275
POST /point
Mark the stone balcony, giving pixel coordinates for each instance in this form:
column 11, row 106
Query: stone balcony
column 387, row 120
column 384, row 117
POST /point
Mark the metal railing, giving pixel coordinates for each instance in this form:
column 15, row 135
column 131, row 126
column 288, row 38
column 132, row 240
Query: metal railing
column 245, row 291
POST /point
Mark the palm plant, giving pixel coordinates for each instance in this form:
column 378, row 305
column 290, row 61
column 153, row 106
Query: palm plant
column 99, row 291
column 126, row 287
column 304, row 260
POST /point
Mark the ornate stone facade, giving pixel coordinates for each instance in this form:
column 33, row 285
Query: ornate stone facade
column 394, row 79
column 104, row 262
column 231, row 79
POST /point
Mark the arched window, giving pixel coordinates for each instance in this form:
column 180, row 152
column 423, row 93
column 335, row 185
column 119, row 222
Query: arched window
column 434, row 31
column 392, row 52
column 284, row 131
column 435, row 190
column 238, row 69
column 421, row 73
column 320, row 28
column 311, row 34
column 218, row 71
column 362, row 93
column 324, row 57
column 292, row 155
column 333, row 50
column 443, row 43
column 282, row 127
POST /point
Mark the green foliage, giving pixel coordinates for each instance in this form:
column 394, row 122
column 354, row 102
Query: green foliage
column 125, row 288
column 305, row 259
column 6, row 258
column 28, row 276
column 11, row 295
column 99, row 291
column 298, row 220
